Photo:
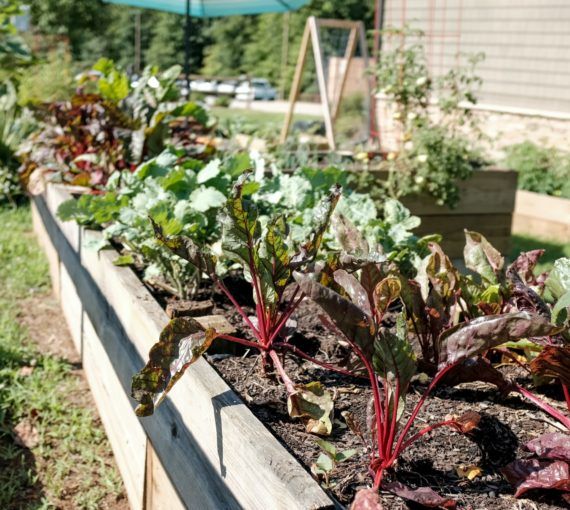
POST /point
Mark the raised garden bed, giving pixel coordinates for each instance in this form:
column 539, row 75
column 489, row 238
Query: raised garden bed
column 486, row 206
column 204, row 449
column 219, row 455
column 541, row 215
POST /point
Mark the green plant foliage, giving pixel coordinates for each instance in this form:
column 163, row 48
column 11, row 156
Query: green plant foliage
column 432, row 154
column 541, row 169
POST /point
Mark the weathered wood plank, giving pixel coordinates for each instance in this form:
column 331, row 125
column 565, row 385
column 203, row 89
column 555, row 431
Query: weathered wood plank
column 490, row 191
column 50, row 252
column 160, row 493
column 125, row 433
column 542, row 216
column 72, row 307
column 55, row 195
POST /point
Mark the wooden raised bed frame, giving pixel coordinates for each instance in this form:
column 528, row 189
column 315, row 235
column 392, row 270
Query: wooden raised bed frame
column 542, row 216
column 486, row 206
column 203, row 449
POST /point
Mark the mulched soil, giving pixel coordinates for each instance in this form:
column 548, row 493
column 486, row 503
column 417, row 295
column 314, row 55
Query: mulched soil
column 43, row 318
column 434, row 461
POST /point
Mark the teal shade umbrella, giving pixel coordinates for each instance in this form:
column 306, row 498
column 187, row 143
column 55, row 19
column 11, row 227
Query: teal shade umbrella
column 215, row 8
column 211, row 9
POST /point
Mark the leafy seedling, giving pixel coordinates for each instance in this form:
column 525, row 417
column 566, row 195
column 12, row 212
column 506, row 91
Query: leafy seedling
column 328, row 459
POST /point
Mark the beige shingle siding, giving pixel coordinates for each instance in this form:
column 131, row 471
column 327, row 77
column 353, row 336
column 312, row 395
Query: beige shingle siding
column 526, row 43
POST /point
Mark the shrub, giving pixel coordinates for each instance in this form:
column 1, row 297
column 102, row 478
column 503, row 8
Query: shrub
column 541, row 169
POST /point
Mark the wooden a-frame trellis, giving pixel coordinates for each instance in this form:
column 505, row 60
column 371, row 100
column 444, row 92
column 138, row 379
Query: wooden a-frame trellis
column 330, row 108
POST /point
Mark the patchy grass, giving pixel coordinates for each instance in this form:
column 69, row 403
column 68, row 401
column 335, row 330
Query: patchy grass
column 554, row 250
column 53, row 449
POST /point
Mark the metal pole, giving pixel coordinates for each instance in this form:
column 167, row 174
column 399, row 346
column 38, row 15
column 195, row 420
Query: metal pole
column 187, row 48
column 138, row 43
column 284, row 53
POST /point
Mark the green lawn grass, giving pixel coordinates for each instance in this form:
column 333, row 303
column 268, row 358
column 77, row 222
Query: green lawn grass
column 257, row 117
column 553, row 250
column 71, row 443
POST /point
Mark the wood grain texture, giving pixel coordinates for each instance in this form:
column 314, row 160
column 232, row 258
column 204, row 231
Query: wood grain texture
column 72, row 307
column 50, row 252
column 217, row 455
column 543, row 216
column 126, row 435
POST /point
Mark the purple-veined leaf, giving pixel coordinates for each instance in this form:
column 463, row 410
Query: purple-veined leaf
column 323, row 213
column 477, row 369
column 386, row 292
column 529, row 474
column 187, row 249
column 423, row 495
column 553, row 361
column 482, row 333
column 314, row 404
column 524, row 265
column 481, row 256
column 354, row 322
column 366, row 499
column 240, row 224
column 348, row 236
column 274, row 269
column 555, row 445
column 181, row 343
column 354, row 289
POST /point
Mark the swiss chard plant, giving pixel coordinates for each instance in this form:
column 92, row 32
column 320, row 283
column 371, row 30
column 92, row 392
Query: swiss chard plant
column 385, row 355
column 268, row 264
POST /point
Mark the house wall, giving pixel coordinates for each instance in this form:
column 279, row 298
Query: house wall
column 526, row 44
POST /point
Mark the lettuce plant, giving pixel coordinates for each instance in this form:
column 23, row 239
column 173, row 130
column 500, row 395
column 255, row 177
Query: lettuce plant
column 387, row 359
column 268, row 264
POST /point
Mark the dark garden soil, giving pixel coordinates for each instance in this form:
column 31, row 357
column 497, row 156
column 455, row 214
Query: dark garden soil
column 440, row 460
column 43, row 319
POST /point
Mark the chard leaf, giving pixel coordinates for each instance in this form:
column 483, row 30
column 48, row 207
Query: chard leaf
column 366, row 499
column 555, row 445
column 482, row 333
column 274, row 258
column 314, row 405
column 181, row 343
column 529, row 474
column 395, row 361
column 553, row 361
column 186, row 249
column 423, row 495
column 322, row 214
column 385, row 293
column 525, row 263
column 240, row 225
column 480, row 256
column 348, row 236
column 354, row 289
column 351, row 320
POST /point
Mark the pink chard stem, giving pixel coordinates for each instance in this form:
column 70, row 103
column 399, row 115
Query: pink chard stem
column 547, row 408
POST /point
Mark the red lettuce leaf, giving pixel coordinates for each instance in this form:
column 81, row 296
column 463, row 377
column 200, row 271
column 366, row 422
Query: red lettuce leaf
column 423, row 496
column 555, row 445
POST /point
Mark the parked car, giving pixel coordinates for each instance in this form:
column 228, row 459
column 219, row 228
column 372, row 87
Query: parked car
column 204, row 86
column 256, row 89
column 226, row 88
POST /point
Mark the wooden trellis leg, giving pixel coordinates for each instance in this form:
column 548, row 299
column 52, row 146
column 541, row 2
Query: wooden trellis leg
column 296, row 86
